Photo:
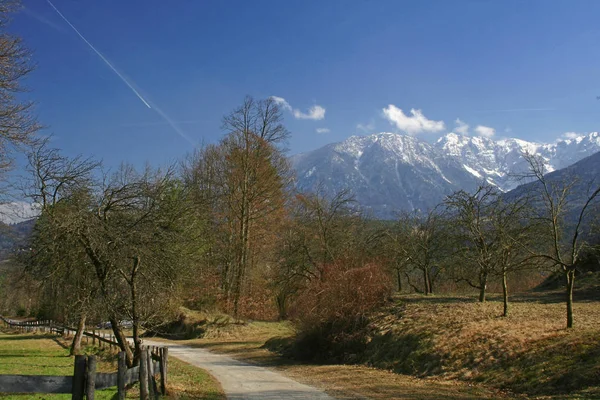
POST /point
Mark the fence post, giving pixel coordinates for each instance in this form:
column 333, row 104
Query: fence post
column 121, row 376
column 143, row 374
column 90, row 381
column 164, row 353
column 78, row 378
column 151, row 381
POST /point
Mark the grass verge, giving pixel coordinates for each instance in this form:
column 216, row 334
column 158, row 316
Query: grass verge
column 30, row 354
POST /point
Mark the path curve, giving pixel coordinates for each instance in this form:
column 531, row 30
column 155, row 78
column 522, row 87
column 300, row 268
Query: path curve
column 241, row 380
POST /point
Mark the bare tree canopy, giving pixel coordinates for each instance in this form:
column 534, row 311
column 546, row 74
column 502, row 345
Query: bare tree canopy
column 17, row 122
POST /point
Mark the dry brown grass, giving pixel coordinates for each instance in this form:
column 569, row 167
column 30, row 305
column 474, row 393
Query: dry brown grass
column 529, row 351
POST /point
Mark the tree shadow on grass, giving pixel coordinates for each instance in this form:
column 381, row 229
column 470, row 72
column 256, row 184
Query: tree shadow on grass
column 435, row 299
column 583, row 295
column 26, row 337
column 557, row 367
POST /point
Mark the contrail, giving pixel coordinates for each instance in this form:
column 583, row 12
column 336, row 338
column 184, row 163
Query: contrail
column 172, row 123
column 142, row 124
column 151, row 105
column 116, row 71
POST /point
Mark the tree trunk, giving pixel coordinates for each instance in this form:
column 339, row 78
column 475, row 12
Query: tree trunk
column 482, row 287
column 281, row 300
column 398, row 277
column 426, row 281
column 505, row 294
column 429, row 277
column 122, row 340
column 76, row 344
column 570, row 283
column 137, row 343
column 415, row 288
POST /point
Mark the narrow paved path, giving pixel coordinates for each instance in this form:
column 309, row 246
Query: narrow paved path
column 240, row 380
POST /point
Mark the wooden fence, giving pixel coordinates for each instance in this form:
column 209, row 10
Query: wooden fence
column 56, row 328
column 85, row 380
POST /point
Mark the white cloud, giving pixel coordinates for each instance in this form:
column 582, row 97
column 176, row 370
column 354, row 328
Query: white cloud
column 323, row 130
column 366, row 128
column 282, row 102
column 571, row 135
column 316, row 112
column 416, row 123
column 485, row 131
column 461, row 127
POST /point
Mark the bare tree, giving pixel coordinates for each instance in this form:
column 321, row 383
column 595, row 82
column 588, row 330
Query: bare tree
column 137, row 237
column 514, row 231
column 17, row 122
column 118, row 241
column 561, row 199
column 475, row 245
column 61, row 187
column 421, row 243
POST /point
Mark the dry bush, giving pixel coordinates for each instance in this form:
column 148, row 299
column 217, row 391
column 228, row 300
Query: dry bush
column 331, row 313
column 258, row 303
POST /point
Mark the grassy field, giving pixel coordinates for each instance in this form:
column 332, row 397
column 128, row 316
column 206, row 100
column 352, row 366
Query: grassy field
column 29, row 354
column 528, row 352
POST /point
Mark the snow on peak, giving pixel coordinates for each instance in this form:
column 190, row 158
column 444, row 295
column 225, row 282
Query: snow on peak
column 390, row 171
column 17, row 211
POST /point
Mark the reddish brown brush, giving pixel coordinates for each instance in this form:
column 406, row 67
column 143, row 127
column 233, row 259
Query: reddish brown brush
column 342, row 293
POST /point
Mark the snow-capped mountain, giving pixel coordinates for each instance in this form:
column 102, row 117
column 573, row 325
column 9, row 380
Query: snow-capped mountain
column 17, row 211
column 389, row 172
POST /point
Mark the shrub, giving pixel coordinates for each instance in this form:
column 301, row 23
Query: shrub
column 331, row 313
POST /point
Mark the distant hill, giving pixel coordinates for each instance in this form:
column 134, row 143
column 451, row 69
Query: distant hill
column 584, row 175
column 14, row 236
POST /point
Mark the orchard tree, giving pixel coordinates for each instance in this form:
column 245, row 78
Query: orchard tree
column 61, row 187
column 421, row 243
column 560, row 200
column 514, row 231
column 120, row 241
column 475, row 244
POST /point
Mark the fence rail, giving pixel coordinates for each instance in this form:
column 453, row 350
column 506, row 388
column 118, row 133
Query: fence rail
column 54, row 327
column 85, row 380
column 35, row 384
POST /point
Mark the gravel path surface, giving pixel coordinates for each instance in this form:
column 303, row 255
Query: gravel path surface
column 240, row 380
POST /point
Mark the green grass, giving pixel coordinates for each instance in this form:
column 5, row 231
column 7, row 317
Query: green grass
column 27, row 354
column 188, row 382
column 30, row 354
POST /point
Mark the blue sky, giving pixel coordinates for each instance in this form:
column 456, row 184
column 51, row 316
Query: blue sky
column 527, row 69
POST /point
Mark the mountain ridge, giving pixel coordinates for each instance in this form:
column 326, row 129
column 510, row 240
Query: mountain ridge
column 390, row 172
